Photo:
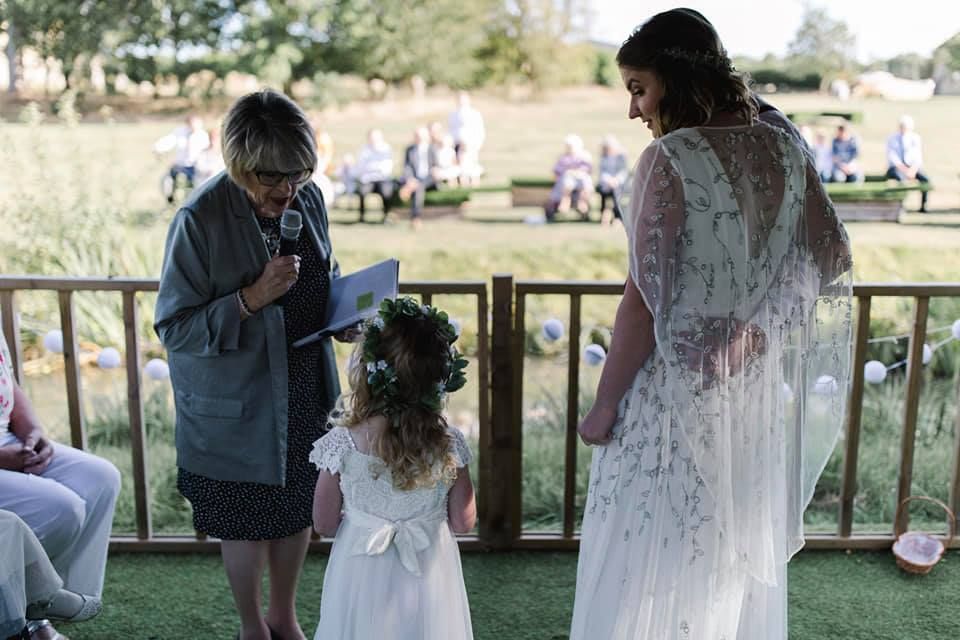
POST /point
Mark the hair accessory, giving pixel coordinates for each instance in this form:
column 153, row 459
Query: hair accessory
column 718, row 61
column 381, row 375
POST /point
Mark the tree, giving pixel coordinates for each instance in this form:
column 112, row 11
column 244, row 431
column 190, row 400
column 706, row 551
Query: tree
column 948, row 53
column 164, row 37
column 910, row 65
column 69, row 32
column 529, row 41
column 397, row 39
column 821, row 43
column 277, row 39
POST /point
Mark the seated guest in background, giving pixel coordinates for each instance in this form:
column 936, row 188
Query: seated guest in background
column 188, row 141
column 419, row 161
column 613, row 174
column 30, row 587
column 574, row 185
column 447, row 171
column 65, row 496
column 823, row 156
column 373, row 171
column 905, row 156
column 322, row 176
column 210, row 161
column 469, row 133
column 845, row 152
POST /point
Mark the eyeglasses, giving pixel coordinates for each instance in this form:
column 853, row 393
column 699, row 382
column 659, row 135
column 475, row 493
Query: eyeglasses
column 274, row 178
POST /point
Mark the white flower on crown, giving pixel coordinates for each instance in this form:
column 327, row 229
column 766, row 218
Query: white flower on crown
column 425, row 308
column 381, row 365
column 371, row 367
column 378, row 322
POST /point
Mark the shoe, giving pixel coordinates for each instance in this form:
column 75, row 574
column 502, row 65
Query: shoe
column 35, row 626
column 52, row 610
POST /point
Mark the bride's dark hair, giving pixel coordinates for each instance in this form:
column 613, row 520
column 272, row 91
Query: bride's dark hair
column 683, row 49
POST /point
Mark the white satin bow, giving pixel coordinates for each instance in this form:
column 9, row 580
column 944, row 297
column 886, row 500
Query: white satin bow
column 409, row 536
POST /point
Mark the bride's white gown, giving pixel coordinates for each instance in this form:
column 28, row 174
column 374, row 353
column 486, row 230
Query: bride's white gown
column 696, row 505
column 394, row 571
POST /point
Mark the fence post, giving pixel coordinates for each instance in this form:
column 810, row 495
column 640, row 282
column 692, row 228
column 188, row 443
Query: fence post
column 71, row 362
column 911, row 405
column 11, row 329
column 497, row 481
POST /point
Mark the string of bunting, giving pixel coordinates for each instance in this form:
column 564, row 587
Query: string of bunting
column 155, row 368
column 874, row 371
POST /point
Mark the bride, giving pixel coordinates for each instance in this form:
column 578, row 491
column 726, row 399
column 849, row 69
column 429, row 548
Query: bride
column 724, row 390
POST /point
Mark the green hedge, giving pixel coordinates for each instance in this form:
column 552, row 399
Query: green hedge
column 527, row 182
column 439, row 198
column 813, row 116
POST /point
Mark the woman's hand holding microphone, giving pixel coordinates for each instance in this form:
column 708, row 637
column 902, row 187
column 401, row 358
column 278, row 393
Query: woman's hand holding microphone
column 278, row 276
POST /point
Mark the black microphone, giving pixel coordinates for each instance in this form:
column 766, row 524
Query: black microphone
column 290, row 225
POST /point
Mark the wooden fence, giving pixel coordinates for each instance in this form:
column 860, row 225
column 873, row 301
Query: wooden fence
column 500, row 356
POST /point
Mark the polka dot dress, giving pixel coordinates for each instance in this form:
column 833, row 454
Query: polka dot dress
column 252, row 511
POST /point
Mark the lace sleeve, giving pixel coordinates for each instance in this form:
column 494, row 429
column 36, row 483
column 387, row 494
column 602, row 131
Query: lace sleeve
column 329, row 450
column 459, row 448
column 655, row 225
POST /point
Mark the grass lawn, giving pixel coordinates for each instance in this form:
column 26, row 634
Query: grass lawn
column 529, row 596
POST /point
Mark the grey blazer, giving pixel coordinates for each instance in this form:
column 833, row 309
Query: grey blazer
column 230, row 377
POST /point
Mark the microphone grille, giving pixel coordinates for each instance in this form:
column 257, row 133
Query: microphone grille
column 291, row 218
column 290, row 224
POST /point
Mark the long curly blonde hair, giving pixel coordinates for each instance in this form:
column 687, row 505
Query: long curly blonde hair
column 416, row 446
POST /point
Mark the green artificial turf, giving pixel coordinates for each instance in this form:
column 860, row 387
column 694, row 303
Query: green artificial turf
column 529, row 596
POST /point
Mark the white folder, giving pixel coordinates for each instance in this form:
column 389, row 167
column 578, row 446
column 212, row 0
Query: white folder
column 357, row 297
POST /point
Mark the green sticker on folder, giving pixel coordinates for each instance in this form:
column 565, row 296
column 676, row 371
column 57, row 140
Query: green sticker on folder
column 364, row 300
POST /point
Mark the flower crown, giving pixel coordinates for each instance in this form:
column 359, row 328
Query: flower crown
column 718, row 61
column 381, row 375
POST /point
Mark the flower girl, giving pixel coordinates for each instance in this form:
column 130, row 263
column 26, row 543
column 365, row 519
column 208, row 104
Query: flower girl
column 394, row 486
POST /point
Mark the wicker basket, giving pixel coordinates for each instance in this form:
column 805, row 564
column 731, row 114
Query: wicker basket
column 919, row 552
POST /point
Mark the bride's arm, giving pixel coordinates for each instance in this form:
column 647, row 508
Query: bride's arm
column 631, row 345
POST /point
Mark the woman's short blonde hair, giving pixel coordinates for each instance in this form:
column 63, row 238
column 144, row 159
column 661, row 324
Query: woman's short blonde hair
column 267, row 131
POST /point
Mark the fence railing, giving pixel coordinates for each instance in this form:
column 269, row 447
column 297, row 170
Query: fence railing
column 500, row 355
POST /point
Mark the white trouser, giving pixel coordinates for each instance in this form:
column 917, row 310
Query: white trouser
column 70, row 509
column 26, row 575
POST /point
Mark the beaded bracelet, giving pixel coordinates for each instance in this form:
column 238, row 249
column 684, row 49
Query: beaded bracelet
column 244, row 307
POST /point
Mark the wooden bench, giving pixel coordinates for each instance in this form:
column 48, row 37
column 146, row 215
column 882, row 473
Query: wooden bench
column 813, row 117
column 876, row 199
column 442, row 203
column 530, row 192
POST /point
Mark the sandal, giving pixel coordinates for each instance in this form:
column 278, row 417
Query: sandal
column 34, row 626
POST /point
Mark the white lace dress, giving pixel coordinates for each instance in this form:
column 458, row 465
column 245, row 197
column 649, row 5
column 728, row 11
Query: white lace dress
column 695, row 507
column 394, row 571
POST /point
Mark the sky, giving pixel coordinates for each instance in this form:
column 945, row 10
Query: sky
column 883, row 28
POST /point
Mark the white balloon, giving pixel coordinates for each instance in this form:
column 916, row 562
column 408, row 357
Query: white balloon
column 927, row 354
column 109, row 358
column 955, row 329
column 874, row 372
column 157, row 369
column 826, row 385
column 53, row 341
column 788, row 394
column 553, row 329
column 594, row 354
